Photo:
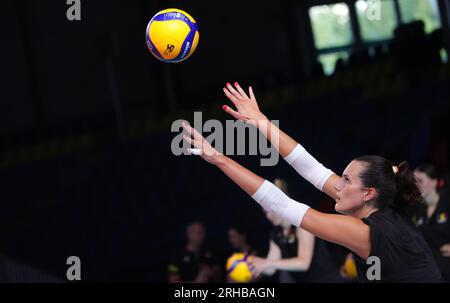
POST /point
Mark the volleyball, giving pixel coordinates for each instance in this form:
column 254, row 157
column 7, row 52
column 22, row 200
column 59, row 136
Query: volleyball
column 350, row 267
column 238, row 267
column 172, row 35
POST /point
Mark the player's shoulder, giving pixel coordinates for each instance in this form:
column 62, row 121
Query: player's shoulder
column 388, row 222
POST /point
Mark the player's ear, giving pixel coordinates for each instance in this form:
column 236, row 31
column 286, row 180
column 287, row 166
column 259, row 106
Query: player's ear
column 370, row 194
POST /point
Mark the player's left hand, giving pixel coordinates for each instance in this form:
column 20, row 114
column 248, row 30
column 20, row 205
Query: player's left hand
column 202, row 146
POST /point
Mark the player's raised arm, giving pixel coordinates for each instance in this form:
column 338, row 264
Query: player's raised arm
column 305, row 164
column 347, row 231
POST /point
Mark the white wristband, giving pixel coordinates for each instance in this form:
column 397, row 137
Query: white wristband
column 271, row 198
column 308, row 167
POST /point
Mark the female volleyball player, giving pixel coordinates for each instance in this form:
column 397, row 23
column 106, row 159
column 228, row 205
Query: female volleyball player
column 370, row 193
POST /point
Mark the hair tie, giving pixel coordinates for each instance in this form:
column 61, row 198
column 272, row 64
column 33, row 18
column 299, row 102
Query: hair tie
column 395, row 169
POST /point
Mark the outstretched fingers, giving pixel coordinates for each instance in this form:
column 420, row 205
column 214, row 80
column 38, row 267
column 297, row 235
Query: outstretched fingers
column 231, row 97
column 241, row 91
column 252, row 95
column 190, row 141
column 192, row 132
column 234, row 113
column 233, row 91
column 194, row 138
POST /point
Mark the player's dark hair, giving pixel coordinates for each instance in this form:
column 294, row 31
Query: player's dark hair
column 240, row 228
column 395, row 185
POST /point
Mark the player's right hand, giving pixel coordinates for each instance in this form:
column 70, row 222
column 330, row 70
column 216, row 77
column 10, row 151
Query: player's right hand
column 246, row 105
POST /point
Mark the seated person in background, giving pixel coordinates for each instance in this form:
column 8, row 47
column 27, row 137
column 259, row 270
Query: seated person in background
column 431, row 217
column 195, row 263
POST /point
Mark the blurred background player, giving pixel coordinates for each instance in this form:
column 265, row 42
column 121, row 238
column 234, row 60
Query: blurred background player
column 432, row 216
column 238, row 240
column 295, row 254
column 196, row 262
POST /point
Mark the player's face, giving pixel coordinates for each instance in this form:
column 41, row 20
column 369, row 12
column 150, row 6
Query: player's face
column 235, row 238
column 350, row 190
column 426, row 184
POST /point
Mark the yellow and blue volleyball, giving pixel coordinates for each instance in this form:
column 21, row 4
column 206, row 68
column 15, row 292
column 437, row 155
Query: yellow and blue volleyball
column 239, row 267
column 172, row 35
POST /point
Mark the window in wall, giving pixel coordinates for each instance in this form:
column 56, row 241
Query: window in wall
column 425, row 10
column 444, row 55
column 377, row 19
column 331, row 25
